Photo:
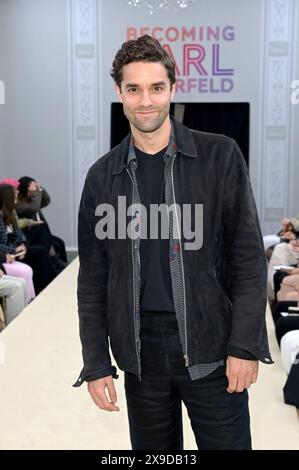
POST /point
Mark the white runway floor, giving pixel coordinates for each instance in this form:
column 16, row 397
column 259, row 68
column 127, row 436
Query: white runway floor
column 40, row 358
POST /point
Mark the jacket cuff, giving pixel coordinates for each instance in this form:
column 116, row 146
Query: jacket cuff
column 241, row 353
column 98, row 374
column 251, row 354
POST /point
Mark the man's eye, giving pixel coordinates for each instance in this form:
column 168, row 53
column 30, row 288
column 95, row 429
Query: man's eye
column 132, row 90
column 158, row 88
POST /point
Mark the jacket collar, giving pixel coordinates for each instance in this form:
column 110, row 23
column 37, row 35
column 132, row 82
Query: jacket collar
column 184, row 141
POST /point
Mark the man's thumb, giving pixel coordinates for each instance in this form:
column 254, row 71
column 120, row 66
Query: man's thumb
column 112, row 392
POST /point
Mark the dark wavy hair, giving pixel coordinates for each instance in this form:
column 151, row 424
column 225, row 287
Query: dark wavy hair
column 7, row 204
column 143, row 49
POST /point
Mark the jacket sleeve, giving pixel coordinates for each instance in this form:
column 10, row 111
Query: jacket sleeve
column 92, row 294
column 246, row 262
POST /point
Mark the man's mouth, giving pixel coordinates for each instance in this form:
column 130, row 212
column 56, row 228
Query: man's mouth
column 146, row 113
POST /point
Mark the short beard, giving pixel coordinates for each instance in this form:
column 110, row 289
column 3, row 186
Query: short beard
column 147, row 131
column 139, row 127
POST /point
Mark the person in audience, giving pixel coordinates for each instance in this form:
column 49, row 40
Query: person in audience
column 284, row 323
column 281, row 307
column 284, row 254
column 289, row 231
column 23, row 222
column 14, row 242
column 14, row 290
column 291, row 224
column 36, row 231
column 283, row 272
column 32, row 198
column 289, row 287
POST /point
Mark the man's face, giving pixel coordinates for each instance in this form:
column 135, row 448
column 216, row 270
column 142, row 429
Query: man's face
column 145, row 94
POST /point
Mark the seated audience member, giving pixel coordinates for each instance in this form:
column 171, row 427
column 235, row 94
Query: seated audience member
column 17, row 270
column 282, row 307
column 284, row 323
column 37, row 233
column 13, row 242
column 289, row 231
column 287, row 335
column 288, row 277
column 32, row 198
column 284, row 254
column 14, row 290
column 289, row 287
column 289, row 348
column 22, row 222
column 291, row 387
column 294, row 221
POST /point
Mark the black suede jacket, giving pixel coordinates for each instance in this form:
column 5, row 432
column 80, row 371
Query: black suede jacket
column 220, row 299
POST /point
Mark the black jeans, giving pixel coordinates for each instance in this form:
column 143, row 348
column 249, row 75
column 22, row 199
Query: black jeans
column 219, row 420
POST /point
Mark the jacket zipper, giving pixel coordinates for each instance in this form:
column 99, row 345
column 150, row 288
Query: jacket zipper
column 186, row 357
column 137, row 339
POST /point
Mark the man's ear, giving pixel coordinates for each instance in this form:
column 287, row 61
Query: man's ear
column 118, row 92
column 173, row 91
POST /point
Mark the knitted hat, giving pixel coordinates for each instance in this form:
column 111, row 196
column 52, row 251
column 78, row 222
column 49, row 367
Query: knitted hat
column 11, row 181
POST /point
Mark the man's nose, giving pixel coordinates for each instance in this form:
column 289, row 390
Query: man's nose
column 145, row 99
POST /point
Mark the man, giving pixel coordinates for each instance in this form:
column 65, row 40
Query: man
column 185, row 323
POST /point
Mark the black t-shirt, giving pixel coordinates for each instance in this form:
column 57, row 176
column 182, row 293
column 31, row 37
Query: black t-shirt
column 155, row 289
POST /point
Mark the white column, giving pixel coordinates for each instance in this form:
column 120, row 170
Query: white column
column 279, row 36
column 84, row 96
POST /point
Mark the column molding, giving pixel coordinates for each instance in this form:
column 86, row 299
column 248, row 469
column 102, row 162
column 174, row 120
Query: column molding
column 276, row 146
column 84, row 96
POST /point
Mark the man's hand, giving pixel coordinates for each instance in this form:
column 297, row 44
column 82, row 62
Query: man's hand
column 1, row 273
column 240, row 373
column 96, row 389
